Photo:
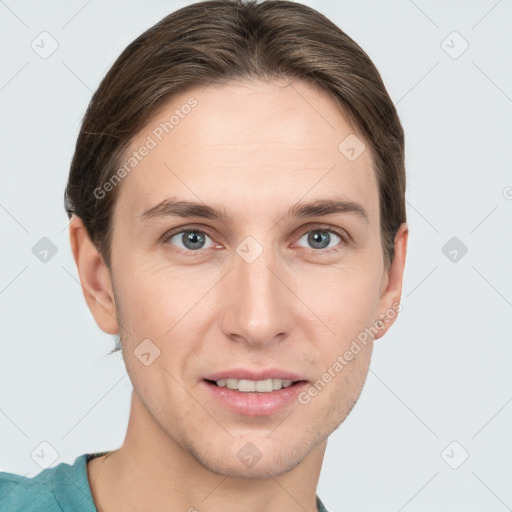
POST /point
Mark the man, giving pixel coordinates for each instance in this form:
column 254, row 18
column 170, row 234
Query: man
column 238, row 220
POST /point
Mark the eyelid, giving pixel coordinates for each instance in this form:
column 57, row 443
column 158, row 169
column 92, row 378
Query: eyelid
column 181, row 229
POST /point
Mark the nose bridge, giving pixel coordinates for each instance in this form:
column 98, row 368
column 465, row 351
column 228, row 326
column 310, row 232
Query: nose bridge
column 258, row 308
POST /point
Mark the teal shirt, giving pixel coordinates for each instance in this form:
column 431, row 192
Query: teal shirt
column 63, row 488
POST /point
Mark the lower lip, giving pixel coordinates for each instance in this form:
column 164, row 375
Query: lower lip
column 255, row 404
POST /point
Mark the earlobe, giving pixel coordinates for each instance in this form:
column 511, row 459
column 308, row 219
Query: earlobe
column 94, row 277
column 389, row 304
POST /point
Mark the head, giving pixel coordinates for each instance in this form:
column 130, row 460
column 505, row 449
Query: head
column 279, row 129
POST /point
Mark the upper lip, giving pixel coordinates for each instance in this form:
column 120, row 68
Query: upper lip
column 242, row 373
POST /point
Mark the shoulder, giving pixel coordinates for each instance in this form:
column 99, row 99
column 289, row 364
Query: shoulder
column 64, row 487
column 19, row 493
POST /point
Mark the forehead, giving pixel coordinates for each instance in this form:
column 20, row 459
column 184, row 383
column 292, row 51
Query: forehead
column 250, row 143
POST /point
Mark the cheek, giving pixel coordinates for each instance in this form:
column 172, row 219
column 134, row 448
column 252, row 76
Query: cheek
column 346, row 300
column 156, row 296
column 167, row 306
column 350, row 378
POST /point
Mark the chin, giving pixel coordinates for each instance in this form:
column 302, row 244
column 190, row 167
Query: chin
column 258, row 459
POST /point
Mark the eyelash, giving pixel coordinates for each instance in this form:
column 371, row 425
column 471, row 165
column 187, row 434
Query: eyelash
column 344, row 236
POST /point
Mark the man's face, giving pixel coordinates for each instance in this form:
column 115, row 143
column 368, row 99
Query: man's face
column 261, row 289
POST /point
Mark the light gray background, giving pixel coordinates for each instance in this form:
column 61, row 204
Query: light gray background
column 442, row 373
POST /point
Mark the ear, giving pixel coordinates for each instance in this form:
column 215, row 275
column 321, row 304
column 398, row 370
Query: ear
column 94, row 277
column 391, row 291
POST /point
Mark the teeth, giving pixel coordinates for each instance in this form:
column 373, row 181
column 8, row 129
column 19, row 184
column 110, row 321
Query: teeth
column 251, row 386
column 264, row 386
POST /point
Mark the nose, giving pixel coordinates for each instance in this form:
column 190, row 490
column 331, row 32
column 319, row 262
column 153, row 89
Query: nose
column 258, row 303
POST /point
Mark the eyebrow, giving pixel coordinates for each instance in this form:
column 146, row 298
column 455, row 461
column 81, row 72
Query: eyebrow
column 171, row 207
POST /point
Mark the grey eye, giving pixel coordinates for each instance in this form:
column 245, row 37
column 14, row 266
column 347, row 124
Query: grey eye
column 191, row 240
column 321, row 238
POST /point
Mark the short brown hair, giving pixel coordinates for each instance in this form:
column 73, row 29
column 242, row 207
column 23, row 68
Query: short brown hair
column 215, row 41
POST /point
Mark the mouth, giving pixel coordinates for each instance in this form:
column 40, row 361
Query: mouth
column 247, row 393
